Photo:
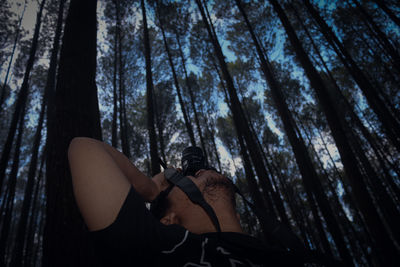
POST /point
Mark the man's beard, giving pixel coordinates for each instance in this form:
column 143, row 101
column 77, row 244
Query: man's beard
column 216, row 188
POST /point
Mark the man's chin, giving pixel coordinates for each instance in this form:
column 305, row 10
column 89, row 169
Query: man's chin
column 215, row 187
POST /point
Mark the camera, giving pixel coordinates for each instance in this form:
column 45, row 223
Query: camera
column 193, row 160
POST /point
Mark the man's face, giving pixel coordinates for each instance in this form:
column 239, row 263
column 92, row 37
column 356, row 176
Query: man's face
column 216, row 190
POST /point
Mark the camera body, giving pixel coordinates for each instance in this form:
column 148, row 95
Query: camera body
column 193, row 160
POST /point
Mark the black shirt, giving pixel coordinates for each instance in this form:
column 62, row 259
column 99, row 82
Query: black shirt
column 136, row 238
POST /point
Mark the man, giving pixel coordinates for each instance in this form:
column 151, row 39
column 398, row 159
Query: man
column 111, row 194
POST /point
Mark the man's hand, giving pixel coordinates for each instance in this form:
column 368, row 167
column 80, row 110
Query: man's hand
column 160, row 182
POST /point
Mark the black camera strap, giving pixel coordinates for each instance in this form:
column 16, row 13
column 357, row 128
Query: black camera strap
column 192, row 191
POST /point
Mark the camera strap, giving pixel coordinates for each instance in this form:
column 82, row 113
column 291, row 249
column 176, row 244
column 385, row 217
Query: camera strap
column 192, row 191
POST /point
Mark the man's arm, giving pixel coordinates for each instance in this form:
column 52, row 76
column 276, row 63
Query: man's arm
column 102, row 177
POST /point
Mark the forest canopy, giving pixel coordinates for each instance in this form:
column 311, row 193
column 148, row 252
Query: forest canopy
column 297, row 101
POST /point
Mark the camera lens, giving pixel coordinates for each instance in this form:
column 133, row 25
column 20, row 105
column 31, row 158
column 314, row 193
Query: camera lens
column 192, row 160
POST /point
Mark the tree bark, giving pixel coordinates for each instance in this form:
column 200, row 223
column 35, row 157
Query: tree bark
column 123, row 123
column 389, row 122
column 76, row 113
column 384, row 201
column 21, row 98
column 3, row 87
column 310, row 177
column 29, row 244
column 188, row 125
column 211, row 130
column 192, row 100
column 382, row 37
column 388, row 12
column 21, row 230
column 346, row 225
column 155, row 166
column 387, row 250
column 253, row 187
column 285, row 236
column 266, row 185
column 160, row 128
column 114, row 137
column 12, row 182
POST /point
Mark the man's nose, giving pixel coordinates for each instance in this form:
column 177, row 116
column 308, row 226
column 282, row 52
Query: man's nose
column 199, row 172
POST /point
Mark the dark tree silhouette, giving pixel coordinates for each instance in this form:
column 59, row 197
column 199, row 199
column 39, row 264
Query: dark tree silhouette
column 76, row 113
column 388, row 11
column 17, row 258
column 155, row 166
column 242, row 123
column 297, row 102
column 3, row 86
column 310, row 177
column 188, row 125
column 389, row 121
column 21, row 98
column 385, row 246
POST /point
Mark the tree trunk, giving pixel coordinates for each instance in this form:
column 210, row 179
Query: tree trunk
column 212, row 137
column 114, row 137
column 192, row 100
column 253, row 187
column 76, row 113
column 388, row 12
column 155, row 166
column 160, row 128
column 389, row 122
column 297, row 217
column 197, row 121
column 338, row 95
column 123, row 123
column 12, row 182
column 178, row 89
column 336, row 203
column 29, row 244
column 21, row 98
column 37, row 247
column 21, row 230
column 310, row 177
column 382, row 37
column 255, row 191
column 284, row 235
column 384, row 200
column 385, row 245
column 269, row 191
column 3, row 87
column 237, row 110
